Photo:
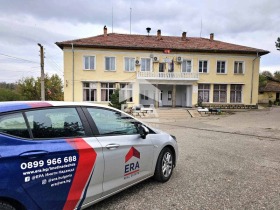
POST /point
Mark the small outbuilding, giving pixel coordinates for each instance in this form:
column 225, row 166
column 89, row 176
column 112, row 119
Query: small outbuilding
column 269, row 92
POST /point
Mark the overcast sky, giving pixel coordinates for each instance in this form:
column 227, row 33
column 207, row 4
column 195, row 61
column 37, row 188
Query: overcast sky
column 24, row 23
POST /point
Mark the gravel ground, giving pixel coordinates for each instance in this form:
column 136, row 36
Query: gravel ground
column 225, row 162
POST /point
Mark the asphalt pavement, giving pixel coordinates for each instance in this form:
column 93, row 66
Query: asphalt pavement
column 227, row 161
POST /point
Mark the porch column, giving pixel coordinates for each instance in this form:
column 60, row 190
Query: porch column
column 156, row 97
column 174, row 96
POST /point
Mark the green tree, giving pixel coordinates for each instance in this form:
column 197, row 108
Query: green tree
column 9, row 95
column 115, row 100
column 30, row 88
column 277, row 43
column 267, row 74
column 262, row 80
column 277, row 75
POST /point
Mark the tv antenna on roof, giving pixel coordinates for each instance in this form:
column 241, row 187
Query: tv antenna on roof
column 200, row 27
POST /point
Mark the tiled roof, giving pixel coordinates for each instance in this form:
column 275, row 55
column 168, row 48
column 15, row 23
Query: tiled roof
column 271, row 86
column 144, row 42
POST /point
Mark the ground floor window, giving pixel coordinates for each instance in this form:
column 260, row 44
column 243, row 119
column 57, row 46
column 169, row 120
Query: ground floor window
column 235, row 93
column 89, row 91
column 107, row 89
column 220, row 93
column 126, row 92
column 144, row 95
column 203, row 92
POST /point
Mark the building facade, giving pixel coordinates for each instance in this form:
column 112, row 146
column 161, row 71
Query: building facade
column 160, row 70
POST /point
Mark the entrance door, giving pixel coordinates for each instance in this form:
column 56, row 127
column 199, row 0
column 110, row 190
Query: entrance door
column 169, row 98
column 160, row 98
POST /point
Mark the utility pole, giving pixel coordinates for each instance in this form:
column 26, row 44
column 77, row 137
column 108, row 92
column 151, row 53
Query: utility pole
column 42, row 72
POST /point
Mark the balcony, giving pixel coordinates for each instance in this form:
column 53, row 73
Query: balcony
column 167, row 75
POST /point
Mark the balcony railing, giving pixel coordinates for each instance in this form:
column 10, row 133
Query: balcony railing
column 167, row 75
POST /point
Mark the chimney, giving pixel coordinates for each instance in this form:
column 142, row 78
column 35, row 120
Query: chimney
column 159, row 34
column 211, row 36
column 184, row 36
column 105, row 30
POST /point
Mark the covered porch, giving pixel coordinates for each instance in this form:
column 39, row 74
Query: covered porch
column 166, row 95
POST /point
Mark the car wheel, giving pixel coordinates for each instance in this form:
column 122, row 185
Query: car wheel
column 6, row 206
column 164, row 165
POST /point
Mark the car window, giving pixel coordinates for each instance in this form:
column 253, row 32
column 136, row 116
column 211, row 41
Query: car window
column 55, row 122
column 110, row 122
column 14, row 124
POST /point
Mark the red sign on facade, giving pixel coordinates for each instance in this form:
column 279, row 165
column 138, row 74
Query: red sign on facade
column 166, row 51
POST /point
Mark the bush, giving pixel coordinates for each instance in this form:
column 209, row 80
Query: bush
column 115, row 100
column 270, row 103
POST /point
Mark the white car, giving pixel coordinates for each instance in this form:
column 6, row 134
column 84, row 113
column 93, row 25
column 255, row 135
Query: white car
column 60, row 155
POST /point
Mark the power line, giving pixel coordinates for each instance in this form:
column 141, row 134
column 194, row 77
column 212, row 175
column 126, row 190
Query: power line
column 17, row 58
column 53, row 65
column 52, row 59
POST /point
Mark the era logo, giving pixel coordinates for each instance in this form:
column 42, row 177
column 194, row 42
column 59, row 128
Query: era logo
column 131, row 167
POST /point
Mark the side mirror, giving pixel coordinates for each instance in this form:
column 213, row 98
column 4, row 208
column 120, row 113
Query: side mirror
column 143, row 131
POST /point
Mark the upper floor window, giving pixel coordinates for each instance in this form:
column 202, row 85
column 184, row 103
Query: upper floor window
column 145, row 64
column 203, row 92
column 89, row 91
column 171, row 66
column 129, row 64
column 110, row 63
column 89, row 62
column 239, row 67
column 220, row 93
column 235, row 93
column 187, row 66
column 203, row 66
column 161, row 67
column 221, row 67
column 107, row 89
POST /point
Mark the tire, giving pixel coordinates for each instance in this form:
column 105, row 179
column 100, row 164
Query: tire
column 165, row 164
column 6, row 206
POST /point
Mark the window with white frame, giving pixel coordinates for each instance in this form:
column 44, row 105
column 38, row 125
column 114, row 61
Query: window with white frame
column 107, row 89
column 239, row 67
column 110, row 63
column 220, row 93
column 145, row 64
column 89, row 62
column 187, row 66
column 203, row 66
column 129, row 64
column 126, row 92
column 235, row 93
column 89, row 91
column 203, row 92
column 221, row 67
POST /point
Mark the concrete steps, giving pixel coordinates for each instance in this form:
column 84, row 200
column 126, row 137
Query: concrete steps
column 173, row 113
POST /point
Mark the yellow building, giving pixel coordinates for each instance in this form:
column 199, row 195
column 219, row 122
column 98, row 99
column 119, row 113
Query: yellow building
column 183, row 70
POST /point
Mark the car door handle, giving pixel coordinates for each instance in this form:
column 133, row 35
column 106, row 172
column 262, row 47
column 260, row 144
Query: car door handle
column 112, row 146
column 33, row 153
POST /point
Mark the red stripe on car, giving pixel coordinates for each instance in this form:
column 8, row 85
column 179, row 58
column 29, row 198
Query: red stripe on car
column 87, row 157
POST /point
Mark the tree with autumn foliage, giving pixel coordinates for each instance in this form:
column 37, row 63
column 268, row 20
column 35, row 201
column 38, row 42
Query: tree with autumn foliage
column 30, row 88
